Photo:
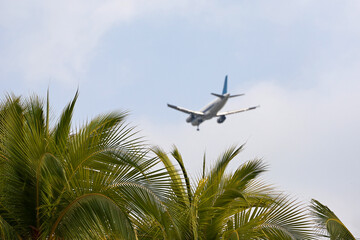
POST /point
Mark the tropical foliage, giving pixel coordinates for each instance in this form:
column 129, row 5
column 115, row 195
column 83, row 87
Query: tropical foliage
column 328, row 224
column 65, row 183
column 231, row 206
column 100, row 181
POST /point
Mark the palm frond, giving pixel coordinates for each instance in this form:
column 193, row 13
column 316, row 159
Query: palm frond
column 236, row 186
column 92, row 183
column 176, row 181
column 223, row 161
column 93, row 216
column 62, row 131
column 176, row 154
column 327, row 223
column 281, row 219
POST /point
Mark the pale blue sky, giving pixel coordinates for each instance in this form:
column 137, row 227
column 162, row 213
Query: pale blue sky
column 300, row 60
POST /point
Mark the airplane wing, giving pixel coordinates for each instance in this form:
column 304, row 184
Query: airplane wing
column 186, row 110
column 236, row 111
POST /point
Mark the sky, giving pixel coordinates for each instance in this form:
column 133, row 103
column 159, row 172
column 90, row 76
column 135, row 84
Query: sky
column 299, row 60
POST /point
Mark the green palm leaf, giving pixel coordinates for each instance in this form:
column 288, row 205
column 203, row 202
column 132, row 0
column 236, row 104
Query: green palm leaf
column 281, row 219
column 230, row 205
column 96, row 182
column 328, row 224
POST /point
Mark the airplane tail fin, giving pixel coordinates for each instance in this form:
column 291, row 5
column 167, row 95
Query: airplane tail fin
column 225, row 85
column 225, row 91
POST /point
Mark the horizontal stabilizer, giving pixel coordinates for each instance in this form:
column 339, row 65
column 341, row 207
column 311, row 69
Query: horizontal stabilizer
column 231, row 96
column 237, row 95
column 217, row 95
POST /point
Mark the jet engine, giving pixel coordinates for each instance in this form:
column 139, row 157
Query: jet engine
column 190, row 118
column 221, row 119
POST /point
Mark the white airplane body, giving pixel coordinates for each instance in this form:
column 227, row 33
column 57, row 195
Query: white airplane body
column 212, row 109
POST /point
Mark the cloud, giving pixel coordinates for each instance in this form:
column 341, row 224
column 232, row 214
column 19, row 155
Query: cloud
column 308, row 136
column 56, row 39
column 307, row 133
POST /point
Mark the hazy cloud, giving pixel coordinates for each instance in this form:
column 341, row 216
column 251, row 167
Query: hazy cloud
column 308, row 136
column 307, row 54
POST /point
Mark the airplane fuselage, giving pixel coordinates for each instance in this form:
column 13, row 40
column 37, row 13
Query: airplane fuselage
column 209, row 111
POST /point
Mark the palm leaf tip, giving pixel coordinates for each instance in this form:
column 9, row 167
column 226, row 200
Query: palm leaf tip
column 62, row 130
column 327, row 223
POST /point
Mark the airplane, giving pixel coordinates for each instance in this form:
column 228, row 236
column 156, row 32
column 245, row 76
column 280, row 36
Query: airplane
column 212, row 109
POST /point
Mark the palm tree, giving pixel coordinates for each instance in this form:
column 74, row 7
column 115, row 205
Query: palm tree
column 60, row 182
column 328, row 224
column 230, row 206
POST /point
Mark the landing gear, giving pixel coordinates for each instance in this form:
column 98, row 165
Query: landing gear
column 197, row 128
